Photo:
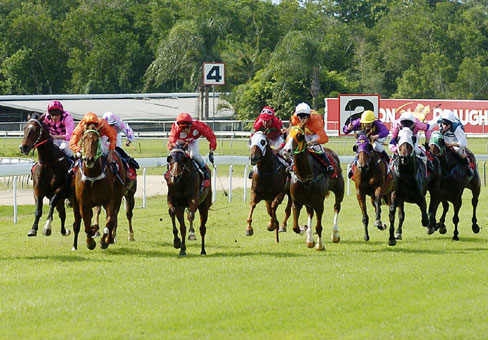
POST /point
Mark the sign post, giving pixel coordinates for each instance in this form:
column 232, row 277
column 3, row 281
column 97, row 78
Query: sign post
column 213, row 74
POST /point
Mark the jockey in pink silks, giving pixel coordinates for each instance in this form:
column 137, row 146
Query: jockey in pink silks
column 60, row 125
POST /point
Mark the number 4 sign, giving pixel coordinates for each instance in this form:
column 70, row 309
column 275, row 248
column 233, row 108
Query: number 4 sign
column 213, row 74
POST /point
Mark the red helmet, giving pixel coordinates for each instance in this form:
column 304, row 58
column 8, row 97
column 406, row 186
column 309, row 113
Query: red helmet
column 55, row 105
column 91, row 117
column 184, row 119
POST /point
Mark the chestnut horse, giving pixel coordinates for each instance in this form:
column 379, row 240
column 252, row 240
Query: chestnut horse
column 184, row 182
column 310, row 185
column 372, row 179
column 95, row 184
column 454, row 180
column 269, row 183
column 49, row 175
column 412, row 181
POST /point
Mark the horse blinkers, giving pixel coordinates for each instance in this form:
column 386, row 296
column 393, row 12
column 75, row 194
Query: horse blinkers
column 91, row 147
column 257, row 155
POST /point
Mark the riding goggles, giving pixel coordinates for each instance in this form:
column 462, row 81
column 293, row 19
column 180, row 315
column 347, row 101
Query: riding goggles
column 267, row 111
column 184, row 125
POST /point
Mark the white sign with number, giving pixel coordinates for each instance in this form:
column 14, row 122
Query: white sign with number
column 213, row 74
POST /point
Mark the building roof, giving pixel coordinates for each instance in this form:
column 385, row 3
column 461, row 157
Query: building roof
column 127, row 106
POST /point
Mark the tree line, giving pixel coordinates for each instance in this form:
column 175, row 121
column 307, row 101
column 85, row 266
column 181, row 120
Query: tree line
column 276, row 54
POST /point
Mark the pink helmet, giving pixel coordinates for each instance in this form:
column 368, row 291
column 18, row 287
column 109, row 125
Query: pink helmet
column 55, row 105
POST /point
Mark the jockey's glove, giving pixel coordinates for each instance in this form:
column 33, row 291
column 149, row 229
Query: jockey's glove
column 211, row 157
column 78, row 154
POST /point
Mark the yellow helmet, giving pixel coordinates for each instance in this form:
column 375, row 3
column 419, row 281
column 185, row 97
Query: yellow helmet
column 367, row 117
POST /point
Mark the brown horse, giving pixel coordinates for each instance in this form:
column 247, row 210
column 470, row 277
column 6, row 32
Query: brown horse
column 372, row 179
column 454, row 181
column 269, row 183
column 412, row 181
column 49, row 174
column 184, row 183
column 310, row 185
column 96, row 185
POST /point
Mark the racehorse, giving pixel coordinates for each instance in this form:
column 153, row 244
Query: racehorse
column 184, row 191
column 454, row 180
column 49, row 174
column 412, row 181
column 310, row 185
column 372, row 179
column 96, row 183
column 269, row 183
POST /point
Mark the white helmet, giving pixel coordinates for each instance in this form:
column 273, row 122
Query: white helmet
column 448, row 115
column 110, row 117
column 303, row 108
column 407, row 116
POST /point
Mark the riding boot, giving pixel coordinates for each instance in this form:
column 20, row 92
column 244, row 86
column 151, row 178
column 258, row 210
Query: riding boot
column 250, row 174
column 329, row 169
column 206, row 172
column 133, row 163
column 385, row 156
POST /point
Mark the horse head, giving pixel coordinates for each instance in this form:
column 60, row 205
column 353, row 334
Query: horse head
column 258, row 145
column 178, row 162
column 405, row 145
column 363, row 149
column 91, row 145
column 436, row 144
column 295, row 142
column 34, row 133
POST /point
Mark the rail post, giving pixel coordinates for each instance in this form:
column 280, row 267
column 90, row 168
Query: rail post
column 231, row 167
column 245, row 182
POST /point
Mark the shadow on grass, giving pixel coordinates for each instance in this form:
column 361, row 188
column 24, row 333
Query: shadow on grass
column 58, row 258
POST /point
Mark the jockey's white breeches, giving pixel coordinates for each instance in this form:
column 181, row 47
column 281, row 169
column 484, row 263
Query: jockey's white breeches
column 63, row 145
column 378, row 145
column 194, row 151
column 316, row 147
column 460, row 151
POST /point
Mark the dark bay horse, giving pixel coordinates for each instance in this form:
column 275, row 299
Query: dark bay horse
column 95, row 184
column 412, row 181
column 310, row 185
column 49, row 175
column 269, row 183
column 454, row 180
column 372, row 179
column 184, row 182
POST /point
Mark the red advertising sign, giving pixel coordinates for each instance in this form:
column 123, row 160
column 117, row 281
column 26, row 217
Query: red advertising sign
column 472, row 113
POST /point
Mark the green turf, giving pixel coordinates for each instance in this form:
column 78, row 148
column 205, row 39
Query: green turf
column 426, row 287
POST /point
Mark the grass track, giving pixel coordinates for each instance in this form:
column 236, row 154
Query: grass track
column 246, row 287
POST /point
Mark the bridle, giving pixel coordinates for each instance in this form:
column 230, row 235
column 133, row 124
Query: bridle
column 38, row 141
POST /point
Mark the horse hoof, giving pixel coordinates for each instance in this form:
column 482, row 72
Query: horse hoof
column 182, row 253
column 91, row 244
column 67, row 232
column 203, row 252
column 366, row 238
column 476, row 228
column 336, row 237
column 249, row 232
column 192, row 237
column 73, row 249
column 442, row 230
column 46, row 232
column 177, row 243
column 272, row 226
column 455, row 238
column 103, row 244
column 32, row 232
column 380, row 225
column 430, row 231
column 392, row 242
column 131, row 237
column 310, row 244
column 282, row 230
column 303, row 229
column 320, row 247
column 398, row 236
column 297, row 231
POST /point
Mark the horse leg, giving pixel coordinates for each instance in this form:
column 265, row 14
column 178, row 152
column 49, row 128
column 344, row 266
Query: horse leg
column 254, row 201
column 362, row 204
column 76, row 224
column 180, row 215
column 455, row 219
column 96, row 227
column 273, row 223
column 391, row 200
column 129, row 213
column 86, row 215
column 62, row 216
column 423, row 210
column 377, row 206
column 38, row 214
column 176, row 239
column 287, row 215
column 296, row 207
column 434, row 203
column 319, row 210
column 401, row 218
column 310, row 241
column 191, row 218
column 474, row 202
column 441, row 226
column 203, row 210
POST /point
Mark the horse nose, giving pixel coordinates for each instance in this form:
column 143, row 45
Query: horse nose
column 254, row 160
column 23, row 148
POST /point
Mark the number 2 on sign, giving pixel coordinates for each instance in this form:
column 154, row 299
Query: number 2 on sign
column 214, row 74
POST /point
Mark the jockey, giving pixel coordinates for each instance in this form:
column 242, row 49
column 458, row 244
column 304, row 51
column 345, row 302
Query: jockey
column 61, row 126
column 102, row 127
column 315, row 135
column 455, row 138
column 121, row 127
column 187, row 130
column 408, row 120
column 374, row 129
column 271, row 126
